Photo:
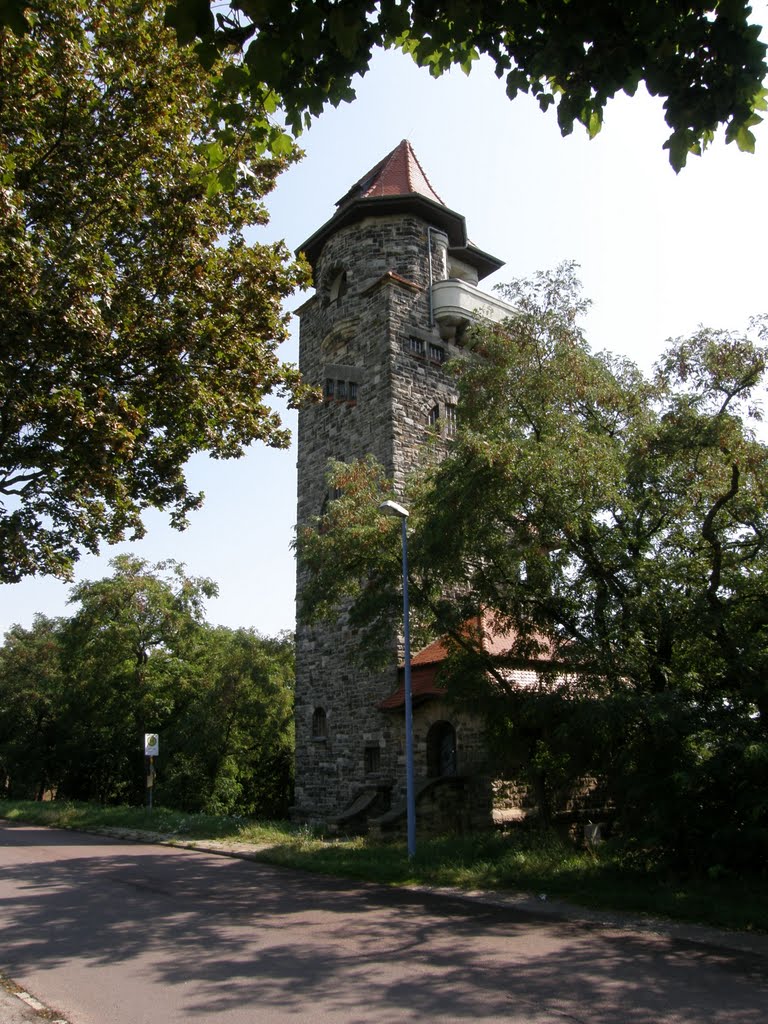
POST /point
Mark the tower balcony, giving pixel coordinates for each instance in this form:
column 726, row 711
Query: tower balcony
column 456, row 303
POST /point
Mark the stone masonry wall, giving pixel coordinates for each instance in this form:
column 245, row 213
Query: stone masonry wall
column 370, row 328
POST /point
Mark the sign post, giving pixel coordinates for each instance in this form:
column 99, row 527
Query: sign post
column 151, row 750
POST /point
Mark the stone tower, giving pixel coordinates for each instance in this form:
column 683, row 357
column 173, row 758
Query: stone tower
column 396, row 281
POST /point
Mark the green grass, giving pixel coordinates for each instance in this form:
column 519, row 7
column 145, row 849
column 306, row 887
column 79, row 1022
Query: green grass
column 524, row 860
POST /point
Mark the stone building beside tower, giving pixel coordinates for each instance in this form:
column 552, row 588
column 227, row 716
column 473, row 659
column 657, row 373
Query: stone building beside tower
column 397, row 281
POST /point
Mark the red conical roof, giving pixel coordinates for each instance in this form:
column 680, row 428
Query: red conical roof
column 398, row 174
column 398, row 185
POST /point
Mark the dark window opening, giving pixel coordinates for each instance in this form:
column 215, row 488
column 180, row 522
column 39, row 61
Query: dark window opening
column 441, row 750
column 372, row 760
column 319, row 724
column 434, row 416
column 339, row 286
column 436, row 353
column 340, row 390
column 416, row 346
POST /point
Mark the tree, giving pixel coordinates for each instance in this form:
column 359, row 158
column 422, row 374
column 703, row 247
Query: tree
column 31, row 691
column 128, row 655
column 138, row 326
column 230, row 747
column 77, row 696
column 623, row 523
column 704, row 57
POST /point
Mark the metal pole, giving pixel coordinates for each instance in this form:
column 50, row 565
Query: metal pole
column 410, row 796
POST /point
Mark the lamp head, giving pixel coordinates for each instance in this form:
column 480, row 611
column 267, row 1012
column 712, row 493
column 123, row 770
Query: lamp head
column 392, row 508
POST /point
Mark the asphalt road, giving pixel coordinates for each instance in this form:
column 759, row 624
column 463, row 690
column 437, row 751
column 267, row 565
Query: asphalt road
column 111, row 932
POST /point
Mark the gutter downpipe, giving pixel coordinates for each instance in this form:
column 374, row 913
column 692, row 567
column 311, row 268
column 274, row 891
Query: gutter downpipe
column 429, row 254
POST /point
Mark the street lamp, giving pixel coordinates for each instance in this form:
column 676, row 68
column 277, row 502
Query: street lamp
column 392, row 508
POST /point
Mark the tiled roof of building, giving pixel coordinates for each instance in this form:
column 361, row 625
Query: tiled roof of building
column 398, row 174
column 423, row 686
column 425, row 664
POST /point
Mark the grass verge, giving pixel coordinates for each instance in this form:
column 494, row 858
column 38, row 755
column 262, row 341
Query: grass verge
column 527, row 861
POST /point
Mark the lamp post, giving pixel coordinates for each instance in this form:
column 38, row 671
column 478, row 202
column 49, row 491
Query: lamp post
column 393, row 509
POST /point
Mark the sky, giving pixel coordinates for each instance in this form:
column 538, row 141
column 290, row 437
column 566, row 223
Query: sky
column 659, row 254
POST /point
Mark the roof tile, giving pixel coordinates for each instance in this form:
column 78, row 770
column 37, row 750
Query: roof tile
column 398, row 174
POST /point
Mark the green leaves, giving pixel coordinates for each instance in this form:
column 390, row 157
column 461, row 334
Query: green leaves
column 13, row 14
column 616, row 522
column 190, row 19
column 707, row 61
column 77, row 695
column 138, row 327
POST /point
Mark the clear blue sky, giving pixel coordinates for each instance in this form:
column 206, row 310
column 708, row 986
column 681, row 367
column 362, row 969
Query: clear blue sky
column 659, row 254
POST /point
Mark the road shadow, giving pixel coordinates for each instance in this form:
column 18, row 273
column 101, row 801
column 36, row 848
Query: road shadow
column 232, row 933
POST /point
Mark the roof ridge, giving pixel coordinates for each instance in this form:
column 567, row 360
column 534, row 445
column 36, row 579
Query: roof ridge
column 424, row 174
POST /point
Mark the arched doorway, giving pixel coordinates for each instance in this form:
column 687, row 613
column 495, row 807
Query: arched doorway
column 441, row 750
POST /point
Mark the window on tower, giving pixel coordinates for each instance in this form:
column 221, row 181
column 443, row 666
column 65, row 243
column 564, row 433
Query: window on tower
column 319, row 724
column 339, row 389
column 451, row 420
column 338, row 287
column 416, row 346
column 434, row 416
column 372, row 760
column 436, row 353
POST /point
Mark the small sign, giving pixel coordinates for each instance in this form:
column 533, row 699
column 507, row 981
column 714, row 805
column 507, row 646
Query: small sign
column 151, row 744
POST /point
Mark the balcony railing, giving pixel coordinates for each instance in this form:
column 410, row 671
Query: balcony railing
column 456, row 303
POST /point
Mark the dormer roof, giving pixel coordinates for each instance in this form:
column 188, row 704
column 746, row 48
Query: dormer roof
column 399, row 184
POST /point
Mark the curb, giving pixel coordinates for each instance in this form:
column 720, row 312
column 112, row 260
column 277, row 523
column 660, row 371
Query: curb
column 540, row 905
column 20, row 1007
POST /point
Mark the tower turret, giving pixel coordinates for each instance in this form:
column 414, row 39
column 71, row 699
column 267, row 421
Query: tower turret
column 375, row 337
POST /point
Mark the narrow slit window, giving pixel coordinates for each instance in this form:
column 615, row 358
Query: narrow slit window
column 352, row 390
column 341, row 390
column 339, row 286
column 434, row 416
column 451, row 420
column 330, row 387
column 372, row 760
column 319, row 724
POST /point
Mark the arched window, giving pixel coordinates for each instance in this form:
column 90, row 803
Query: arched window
column 441, row 750
column 319, row 724
column 338, row 287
